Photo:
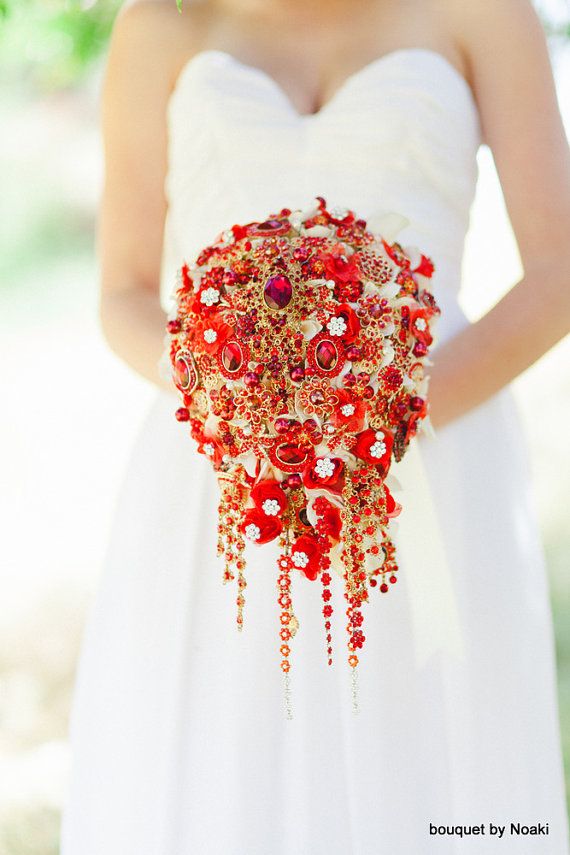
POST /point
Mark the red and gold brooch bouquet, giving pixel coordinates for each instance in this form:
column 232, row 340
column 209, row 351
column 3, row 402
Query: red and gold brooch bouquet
column 298, row 347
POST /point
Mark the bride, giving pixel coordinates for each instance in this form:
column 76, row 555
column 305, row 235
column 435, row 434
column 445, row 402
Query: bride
column 220, row 115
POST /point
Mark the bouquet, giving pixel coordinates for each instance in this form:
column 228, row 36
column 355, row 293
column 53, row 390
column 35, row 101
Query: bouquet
column 298, row 346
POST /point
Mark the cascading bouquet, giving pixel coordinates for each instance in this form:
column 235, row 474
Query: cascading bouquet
column 299, row 346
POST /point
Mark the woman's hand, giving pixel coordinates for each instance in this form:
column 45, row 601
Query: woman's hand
column 514, row 87
column 487, row 355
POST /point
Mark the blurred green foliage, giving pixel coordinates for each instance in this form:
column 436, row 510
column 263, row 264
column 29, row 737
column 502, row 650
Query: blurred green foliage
column 51, row 44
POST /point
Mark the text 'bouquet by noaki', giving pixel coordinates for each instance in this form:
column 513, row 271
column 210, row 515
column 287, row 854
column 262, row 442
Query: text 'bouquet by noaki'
column 299, row 345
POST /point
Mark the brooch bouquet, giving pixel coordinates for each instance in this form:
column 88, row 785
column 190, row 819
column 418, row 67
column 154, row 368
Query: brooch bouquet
column 298, row 346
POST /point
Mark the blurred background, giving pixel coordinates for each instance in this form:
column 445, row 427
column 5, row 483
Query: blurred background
column 72, row 409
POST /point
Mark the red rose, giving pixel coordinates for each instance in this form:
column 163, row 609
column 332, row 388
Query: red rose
column 324, row 473
column 211, row 447
column 211, row 334
column 344, row 324
column 374, row 446
column 269, row 497
column 259, row 527
column 419, row 325
column 349, row 412
column 393, row 507
column 306, row 556
column 339, row 266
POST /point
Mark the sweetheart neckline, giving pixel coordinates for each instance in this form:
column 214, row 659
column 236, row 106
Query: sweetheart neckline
column 261, row 74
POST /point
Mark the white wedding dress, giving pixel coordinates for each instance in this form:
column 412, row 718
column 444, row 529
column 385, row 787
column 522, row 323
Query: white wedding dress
column 179, row 741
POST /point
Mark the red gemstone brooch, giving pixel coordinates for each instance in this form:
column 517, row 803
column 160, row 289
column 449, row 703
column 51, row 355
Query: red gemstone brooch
column 298, row 346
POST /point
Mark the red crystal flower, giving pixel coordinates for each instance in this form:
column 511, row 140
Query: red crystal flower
column 211, row 334
column 269, row 497
column 211, row 448
column 306, row 556
column 419, row 325
column 260, row 527
column 349, row 412
column 324, row 473
column 339, row 266
column 374, row 446
column 344, row 324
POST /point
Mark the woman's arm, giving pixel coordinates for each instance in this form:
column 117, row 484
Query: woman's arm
column 141, row 69
column 514, row 87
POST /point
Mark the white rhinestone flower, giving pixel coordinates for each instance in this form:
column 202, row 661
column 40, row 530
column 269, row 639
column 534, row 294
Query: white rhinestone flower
column 270, row 507
column 209, row 296
column 252, row 532
column 420, row 323
column 300, row 559
column 324, row 468
column 208, row 449
column 379, row 447
column 339, row 213
column 337, row 326
column 210, row 336
column 348, row 409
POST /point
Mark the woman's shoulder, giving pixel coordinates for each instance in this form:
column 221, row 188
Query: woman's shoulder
column 157, row 30
column 150, row 17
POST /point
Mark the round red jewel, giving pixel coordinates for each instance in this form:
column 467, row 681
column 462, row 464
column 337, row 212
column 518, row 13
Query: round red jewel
column 293, row 481
column 297, row 373
column 353, row 353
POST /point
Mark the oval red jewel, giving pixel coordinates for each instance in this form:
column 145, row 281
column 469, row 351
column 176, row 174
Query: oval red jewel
column 288, row 457
column 278, row 292
column 185, row 374
column 269, row 227
column 291, row 454
column 232, row 357
column 326, row 355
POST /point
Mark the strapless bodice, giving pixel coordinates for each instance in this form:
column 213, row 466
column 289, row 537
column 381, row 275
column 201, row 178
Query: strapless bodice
column 401, row 134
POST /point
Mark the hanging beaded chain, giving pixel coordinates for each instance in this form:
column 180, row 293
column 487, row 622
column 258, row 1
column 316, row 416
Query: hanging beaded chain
column 298, row 346
column 289, row 623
